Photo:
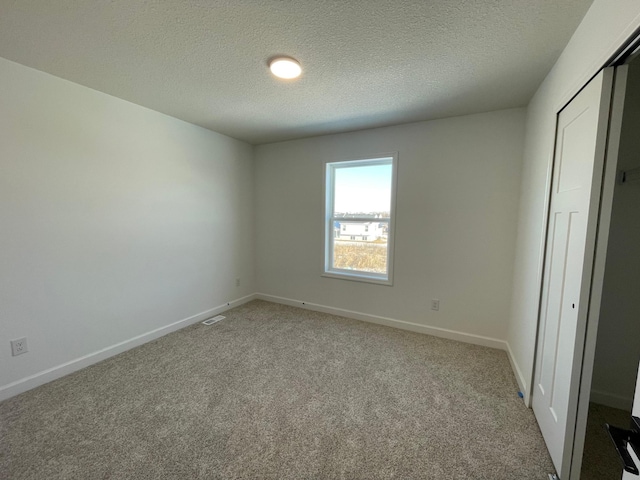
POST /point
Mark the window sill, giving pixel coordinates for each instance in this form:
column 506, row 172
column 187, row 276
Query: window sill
column 358, row 277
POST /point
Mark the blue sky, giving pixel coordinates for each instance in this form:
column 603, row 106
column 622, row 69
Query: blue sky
column 363, row 189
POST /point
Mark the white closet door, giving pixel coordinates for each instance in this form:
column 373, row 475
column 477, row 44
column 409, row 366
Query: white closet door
column 577, row 177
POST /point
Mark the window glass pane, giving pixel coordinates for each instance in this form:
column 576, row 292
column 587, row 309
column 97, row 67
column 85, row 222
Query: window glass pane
column 359, row 200
column 362, row 190
column 360, row 246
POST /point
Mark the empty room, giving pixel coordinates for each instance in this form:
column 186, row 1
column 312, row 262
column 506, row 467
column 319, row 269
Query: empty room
column 325, row 240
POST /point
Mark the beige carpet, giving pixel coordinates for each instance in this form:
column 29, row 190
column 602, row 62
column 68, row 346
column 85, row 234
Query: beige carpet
column 275, row 392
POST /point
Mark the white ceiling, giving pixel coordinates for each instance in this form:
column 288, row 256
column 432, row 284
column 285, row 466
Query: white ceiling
column 366, row 63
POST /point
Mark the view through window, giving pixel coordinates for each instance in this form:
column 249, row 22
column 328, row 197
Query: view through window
column 359, row 219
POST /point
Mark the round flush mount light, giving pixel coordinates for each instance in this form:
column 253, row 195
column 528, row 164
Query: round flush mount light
column 285, row 67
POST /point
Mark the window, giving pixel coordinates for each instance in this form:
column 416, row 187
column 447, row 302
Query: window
column 360, row 202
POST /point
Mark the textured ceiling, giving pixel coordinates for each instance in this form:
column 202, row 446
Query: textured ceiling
column 366, row 63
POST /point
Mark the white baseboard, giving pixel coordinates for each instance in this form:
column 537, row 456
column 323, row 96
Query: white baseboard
column 40, row 378
column 611, row 400
column 390, row 322
column 522, row 383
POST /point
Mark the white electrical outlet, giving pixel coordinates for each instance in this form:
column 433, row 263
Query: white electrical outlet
column 19, row 346
column 435, row 304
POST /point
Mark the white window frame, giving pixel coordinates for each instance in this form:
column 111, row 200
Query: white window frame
column 329, row 220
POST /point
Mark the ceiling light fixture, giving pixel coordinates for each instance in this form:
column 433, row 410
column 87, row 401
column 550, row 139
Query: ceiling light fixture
column 285, row 67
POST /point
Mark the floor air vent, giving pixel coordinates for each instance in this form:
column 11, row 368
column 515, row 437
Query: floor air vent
column 211, row 321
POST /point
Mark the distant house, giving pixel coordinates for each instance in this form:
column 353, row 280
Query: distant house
column 359, row 231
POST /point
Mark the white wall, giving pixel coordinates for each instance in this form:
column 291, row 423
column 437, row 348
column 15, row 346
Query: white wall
column 606, row 25
column 617, row 348
column 115, row 221
column 458, row 182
